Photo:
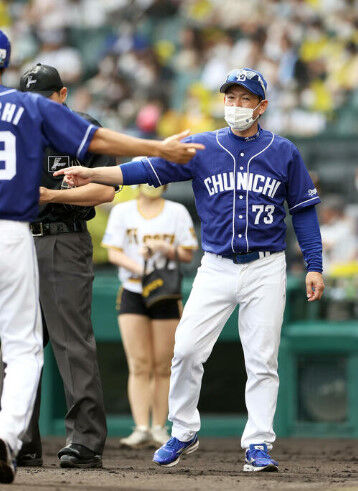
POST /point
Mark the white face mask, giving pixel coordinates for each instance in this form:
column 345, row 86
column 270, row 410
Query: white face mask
column 240, row 118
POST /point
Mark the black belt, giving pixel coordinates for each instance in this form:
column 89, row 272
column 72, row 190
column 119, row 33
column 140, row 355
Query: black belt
column 40, row 229
column 246, row 257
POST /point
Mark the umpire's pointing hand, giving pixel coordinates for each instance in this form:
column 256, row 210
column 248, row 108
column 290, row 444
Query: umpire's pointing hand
column 314, row 286
column 77, row 175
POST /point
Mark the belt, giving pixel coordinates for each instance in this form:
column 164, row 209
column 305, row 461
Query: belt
column 40, row 229
column 246, row 257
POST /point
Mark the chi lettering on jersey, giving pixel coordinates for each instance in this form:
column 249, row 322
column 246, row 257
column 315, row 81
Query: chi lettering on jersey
column 11, row 113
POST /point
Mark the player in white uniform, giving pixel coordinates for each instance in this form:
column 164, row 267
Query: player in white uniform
column 29, row 123
column 154, row 228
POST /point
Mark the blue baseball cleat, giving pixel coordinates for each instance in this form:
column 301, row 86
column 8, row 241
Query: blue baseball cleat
column 169, row 454
column 257, row 458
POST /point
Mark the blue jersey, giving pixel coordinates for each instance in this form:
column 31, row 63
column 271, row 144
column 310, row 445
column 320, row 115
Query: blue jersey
column 240, row 187
column 28, row 124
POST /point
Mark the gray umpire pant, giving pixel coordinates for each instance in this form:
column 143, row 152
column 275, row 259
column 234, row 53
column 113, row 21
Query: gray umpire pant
column 66, row 276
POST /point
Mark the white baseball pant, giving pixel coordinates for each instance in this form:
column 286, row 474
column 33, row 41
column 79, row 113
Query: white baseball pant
column 259, row 288
column 20, row 329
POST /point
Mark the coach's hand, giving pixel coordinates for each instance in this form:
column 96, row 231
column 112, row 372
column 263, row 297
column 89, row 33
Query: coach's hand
column 314, row 286
column 174, row 150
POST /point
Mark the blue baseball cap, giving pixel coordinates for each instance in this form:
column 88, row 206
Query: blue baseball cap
column 5, row 50
column 248, row 78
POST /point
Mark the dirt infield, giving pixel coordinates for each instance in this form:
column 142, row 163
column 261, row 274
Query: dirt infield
column 217, row 465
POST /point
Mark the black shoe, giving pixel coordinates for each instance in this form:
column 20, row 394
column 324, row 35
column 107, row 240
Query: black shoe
column 7, row 463
column 76, row 455
column 29, row 460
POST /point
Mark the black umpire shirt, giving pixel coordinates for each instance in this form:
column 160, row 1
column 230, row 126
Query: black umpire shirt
column 53, row 161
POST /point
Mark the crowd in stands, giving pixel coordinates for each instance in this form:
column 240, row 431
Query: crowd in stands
column 154, row 66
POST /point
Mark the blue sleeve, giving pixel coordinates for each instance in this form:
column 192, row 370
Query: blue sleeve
column 300, row 189
column 305, row 223
column 134, row 172
column 65, row 131
column 162, row 171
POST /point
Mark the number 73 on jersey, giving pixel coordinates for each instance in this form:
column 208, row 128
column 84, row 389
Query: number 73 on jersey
column 264, row 213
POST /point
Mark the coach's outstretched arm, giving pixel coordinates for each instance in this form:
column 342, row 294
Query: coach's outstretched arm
column 168, row 148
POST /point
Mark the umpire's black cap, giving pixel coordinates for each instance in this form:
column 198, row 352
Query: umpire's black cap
column 43, row 79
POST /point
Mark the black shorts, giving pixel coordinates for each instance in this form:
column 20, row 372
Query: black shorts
column 132, row 303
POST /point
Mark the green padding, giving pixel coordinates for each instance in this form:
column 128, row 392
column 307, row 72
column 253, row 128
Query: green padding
column 106, row 285
column 323, row 336
column 318, row 344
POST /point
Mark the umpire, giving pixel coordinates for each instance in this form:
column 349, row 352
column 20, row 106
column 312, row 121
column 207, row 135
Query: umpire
column 64, row 252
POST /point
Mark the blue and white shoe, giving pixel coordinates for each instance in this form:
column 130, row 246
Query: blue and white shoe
column 257, row 458
column 169, row 454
